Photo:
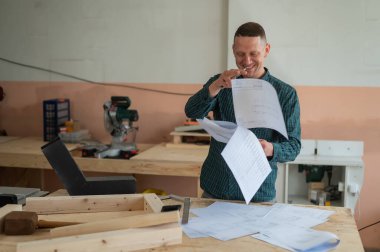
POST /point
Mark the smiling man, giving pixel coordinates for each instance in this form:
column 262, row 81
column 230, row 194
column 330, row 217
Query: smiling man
column 250, row 49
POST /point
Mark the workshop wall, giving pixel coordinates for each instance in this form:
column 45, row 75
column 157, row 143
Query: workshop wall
column 330, row 50
column 323, row 43
column 144, row 41
column 337, row 113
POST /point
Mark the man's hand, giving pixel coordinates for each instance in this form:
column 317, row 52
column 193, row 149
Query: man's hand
column 224, row 81
column 267, row 147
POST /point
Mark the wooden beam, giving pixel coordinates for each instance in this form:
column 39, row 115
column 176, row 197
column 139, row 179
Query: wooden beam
column 119, row 240
column 83, row 204
column 88, row 217
column 145, row 220
column 152, row 203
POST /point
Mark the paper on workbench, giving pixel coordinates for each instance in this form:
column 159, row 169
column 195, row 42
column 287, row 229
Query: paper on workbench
column 300, row 239
column 225, row 221
column 297, row 216
column 222, row 226
column 256, row 105
column 274, row 242
column 252, row 212
column 222, row 131
column 247, row 161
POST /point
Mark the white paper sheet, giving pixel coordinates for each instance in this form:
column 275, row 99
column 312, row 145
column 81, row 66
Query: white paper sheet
column 274, row 242
column 302, row 239
column 222, row 131
column 251, row 212
column 256, row 105
column 225, row 221
column 247, row 161
column 297, row 216
column 221, row 226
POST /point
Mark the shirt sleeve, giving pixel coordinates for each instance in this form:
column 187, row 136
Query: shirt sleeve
column 288, row 150
column 200, row 104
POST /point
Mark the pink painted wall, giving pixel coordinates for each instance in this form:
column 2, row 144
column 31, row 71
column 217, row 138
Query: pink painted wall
column 337, row 113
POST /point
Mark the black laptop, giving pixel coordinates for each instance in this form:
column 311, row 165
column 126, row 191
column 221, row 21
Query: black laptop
column 74, row 180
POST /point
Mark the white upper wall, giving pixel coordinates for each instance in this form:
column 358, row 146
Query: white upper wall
column 142, row 41
column 316, row 42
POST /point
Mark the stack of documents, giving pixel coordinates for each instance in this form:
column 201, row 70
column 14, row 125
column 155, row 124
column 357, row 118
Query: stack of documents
column 282, row 225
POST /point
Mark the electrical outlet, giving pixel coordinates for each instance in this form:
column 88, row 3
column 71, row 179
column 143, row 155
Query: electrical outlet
column 353, row 188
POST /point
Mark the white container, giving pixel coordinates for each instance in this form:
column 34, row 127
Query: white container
column 75, row 137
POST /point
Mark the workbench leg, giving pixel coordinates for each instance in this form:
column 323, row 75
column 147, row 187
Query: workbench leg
column 199, row 189
column 177, row 139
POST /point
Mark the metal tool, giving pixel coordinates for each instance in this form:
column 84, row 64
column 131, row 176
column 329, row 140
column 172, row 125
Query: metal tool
column 186, row 205
column 118, row 121
column 186, row 209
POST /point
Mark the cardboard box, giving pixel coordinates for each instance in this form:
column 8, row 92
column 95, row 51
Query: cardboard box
column 314, row 187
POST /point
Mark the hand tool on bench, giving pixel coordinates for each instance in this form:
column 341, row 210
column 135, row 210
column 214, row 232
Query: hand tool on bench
column 26, row 222
column 186, row 205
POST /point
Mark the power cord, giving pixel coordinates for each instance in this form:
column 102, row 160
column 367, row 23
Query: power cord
column 90, row 81
column 370, row 225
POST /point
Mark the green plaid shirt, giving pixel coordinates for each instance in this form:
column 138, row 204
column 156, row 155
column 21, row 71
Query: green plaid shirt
column 216, row 177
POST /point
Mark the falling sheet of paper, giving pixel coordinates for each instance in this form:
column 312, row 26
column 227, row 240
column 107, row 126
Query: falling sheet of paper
column 256, row 105
column 222, row 131
column 247, row 161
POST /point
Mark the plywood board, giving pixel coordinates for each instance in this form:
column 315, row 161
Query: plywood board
column 163, row 153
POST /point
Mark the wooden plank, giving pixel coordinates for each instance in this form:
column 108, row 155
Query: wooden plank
column 174, row 167
column 144, row 220
column 26, row 153
column 28, row 145
column 119, row 240
column 5, row 210
column 88, row 217
column 197, row 134
column 161, row 153
column 83, row 204
column 187, row 146
column 152, row 203
column 4, row 139
column 163, row 163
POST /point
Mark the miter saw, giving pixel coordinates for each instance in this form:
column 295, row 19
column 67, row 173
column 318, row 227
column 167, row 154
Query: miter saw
column 118, row 121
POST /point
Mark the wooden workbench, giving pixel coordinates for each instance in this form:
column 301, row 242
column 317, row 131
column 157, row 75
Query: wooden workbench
column 159, row 160
column 341, row 223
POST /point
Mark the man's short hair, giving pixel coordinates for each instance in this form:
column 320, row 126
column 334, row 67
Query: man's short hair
column 251, row 29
